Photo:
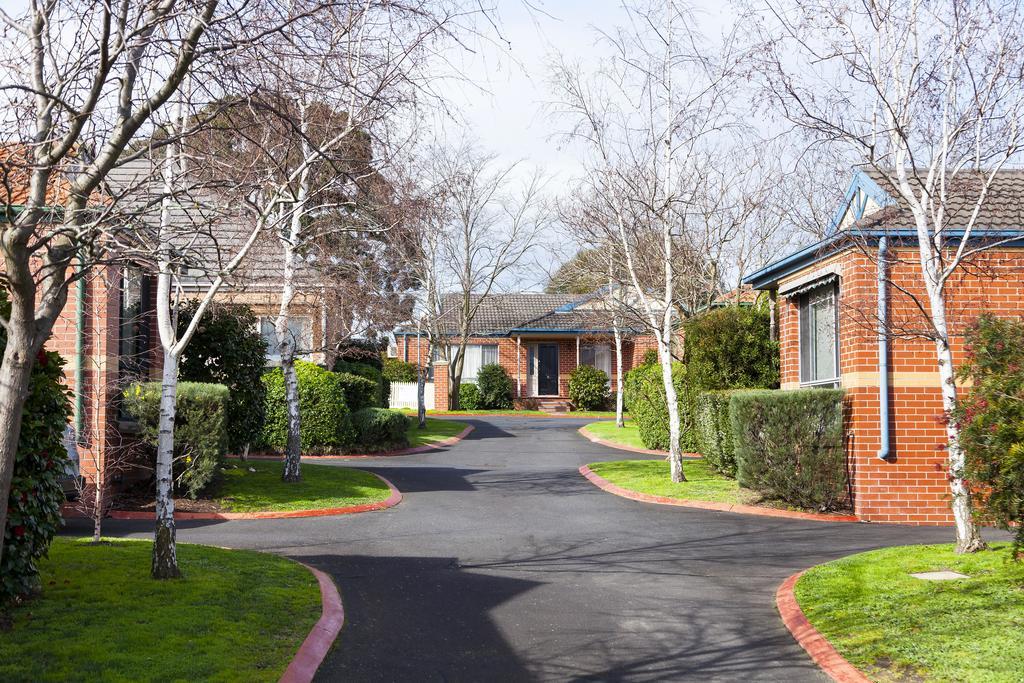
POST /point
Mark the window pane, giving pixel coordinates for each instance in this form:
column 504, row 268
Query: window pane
column 489, row 354
column 588, row 356
column 471, row 365
column 824, row 317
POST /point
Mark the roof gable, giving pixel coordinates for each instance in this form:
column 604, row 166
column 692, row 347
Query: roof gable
column 864, row 197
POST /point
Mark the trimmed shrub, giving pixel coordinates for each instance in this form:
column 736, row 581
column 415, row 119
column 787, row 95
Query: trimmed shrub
column 371, row 372
column 33, row 508
column 227, row 349
column 713, row 431
column 200, row 428
column 495, row 387
column 379, row 429
column 731, row 348
column 649, row 409
column 323, row 410
column 469, row 397
column 360, row 392
column 650, row 357
column 991, row 421
column 789, row 446
column 588, row 388
column 396, row 370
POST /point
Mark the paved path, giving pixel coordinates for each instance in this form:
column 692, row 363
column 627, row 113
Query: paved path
column 504, row 564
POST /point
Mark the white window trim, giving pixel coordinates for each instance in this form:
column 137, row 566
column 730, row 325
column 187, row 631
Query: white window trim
column 274, row 358
column 825, row 382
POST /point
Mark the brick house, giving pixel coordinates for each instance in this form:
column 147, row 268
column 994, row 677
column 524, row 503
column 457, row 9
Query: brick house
column 848, row 316
column 538, row 338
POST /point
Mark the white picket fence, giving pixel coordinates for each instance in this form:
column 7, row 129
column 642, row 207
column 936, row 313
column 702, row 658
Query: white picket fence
column 403, row 395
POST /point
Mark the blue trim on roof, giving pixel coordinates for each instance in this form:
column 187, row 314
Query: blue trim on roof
column 768, row 277
column 861, row 189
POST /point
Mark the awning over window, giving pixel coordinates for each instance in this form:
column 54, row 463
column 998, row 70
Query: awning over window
column 813, row 280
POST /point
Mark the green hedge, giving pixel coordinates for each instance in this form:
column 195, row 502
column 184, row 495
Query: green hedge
column 495, row 387
column 469, row 397
column 323, row 410
column 360, row 392
column 200, row 428
column 380, row 428
column 396, row 370
column 33, row 508
column 227, row 349
column 789, row 446
column 713, row 431
column 588, row 388
column 649, row 410
column 731, row 348
column 371, row 372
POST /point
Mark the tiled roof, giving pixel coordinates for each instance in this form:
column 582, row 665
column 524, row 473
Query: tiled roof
column 1003, row 207
column 503, row 314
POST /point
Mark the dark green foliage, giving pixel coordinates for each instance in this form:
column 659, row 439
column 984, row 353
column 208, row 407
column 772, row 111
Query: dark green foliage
column 360, row 392
column 731, row 348
column 588, row 388
column 363, row 351
column 200, row 428
column 713, row 431
column 324, row 414
column 495, row 387
column 380, row 429
column 645, row 393
column 789, row 446
column 372, row 372
column 991, row 421
column 33, row 509
column 469, row 397
column 227, row 349
column 396, row 370
column 650, row 357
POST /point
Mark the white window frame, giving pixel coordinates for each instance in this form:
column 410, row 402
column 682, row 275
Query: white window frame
column 273, row 357
column 803, row 303
column 601, row 352
column 476, row 351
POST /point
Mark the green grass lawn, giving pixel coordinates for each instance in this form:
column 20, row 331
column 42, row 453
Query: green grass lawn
column 652, row 477
column 627, row 436
column 895, row 627
column 436, row 430
column 234, row 616
column 322, row 486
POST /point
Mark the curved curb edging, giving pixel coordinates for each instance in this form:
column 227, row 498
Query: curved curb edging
column 325, row 631
column 605, row 485
column 426, row 448
column 391, row 501
column 810, row 639
column 618, row 446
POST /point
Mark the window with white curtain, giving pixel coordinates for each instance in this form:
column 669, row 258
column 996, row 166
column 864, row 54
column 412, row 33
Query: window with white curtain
column 477, row 356
column 819, row 324
column 598, row 356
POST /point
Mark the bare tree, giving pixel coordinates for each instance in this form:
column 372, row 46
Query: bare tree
column 931, row 95
column 646, row 119
column 480, row 238
column 83, row 79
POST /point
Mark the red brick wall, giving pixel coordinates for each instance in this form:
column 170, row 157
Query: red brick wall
column 909, row 487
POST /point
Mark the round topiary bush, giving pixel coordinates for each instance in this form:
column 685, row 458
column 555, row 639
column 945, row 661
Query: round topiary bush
column 469, row 397
column 495, row 387
column 588, row 388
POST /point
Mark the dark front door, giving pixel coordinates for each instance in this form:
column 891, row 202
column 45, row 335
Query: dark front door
column 547, row 369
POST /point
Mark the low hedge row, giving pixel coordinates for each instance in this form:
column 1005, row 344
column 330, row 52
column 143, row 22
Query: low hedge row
column 380, row 428
column 713, row 431
column 645, row 400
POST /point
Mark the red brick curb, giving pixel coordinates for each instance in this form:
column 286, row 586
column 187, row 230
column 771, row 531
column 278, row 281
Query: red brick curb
column 810, row 639
column 622, row 447
column 391, row 501
column 319, row 641
column 605, row 485
column 450, row 441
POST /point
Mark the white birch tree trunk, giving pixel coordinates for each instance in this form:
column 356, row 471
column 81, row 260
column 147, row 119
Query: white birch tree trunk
column 15, row 378
column 619, row 420
column 286, row 344
column 165, row 559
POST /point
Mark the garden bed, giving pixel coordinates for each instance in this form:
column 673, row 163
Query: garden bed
column 234, row 615
column 255, row 486
column 893, row 626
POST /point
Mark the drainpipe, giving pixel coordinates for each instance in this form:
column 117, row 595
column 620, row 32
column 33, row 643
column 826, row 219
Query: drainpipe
column 80, row 357
column 883, row 349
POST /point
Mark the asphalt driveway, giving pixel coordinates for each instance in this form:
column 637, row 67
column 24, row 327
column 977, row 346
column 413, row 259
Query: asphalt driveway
column 504, row 564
